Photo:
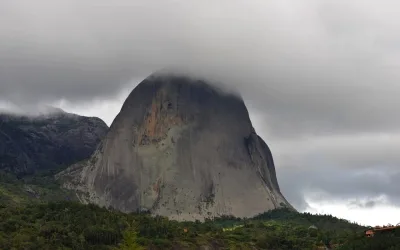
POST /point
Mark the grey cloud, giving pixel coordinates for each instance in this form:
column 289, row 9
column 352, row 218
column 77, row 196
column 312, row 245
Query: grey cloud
column 335, row 182
column 340, row 166
column 337, row 185
column 314, row 68
column 362, row 204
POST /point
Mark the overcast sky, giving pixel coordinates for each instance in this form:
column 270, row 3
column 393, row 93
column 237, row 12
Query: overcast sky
column 321, row 79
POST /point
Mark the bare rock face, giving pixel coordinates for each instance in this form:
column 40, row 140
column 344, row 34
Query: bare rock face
column 183, row 149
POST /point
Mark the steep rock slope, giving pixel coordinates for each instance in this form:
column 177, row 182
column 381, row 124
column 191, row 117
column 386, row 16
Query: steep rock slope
column 182, row 149
column 47, row 142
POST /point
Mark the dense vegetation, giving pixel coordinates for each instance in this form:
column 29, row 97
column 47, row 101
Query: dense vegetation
column 69, row 225
column 384, row 241
column 29, row 221
column 31, row 188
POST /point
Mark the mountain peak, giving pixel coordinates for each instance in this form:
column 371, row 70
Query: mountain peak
column 181, row 148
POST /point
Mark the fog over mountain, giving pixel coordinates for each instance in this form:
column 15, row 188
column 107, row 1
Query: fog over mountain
column 320, row 78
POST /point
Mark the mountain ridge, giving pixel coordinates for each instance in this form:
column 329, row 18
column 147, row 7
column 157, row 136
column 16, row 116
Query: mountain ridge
column 48, row 141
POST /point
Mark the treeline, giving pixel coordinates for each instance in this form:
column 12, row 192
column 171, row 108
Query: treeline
column 28, row 221
column 326, row 222
column 70, row 225
column 389, row 240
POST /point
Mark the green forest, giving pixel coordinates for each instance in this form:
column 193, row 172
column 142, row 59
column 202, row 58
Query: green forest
column 36, row 214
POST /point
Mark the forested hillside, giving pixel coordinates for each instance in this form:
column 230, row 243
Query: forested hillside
column 36, row 214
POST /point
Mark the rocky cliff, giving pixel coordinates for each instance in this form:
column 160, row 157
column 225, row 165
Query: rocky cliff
column 47, row 142
column 182, row 149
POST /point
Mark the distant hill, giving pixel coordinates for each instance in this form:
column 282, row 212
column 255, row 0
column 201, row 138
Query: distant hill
column 47, row 142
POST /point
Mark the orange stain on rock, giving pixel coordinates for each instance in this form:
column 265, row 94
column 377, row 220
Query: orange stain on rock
column 158, row 121
column 152, row 120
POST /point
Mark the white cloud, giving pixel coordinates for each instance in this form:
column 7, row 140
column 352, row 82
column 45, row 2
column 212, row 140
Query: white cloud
column 104, row 109
column 383, row 213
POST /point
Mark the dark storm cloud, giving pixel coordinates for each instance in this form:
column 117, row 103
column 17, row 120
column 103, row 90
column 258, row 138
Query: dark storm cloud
column 321, row 77
column 313, row 67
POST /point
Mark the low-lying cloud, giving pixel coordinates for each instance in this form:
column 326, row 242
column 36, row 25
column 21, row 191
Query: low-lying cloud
column 313, row 67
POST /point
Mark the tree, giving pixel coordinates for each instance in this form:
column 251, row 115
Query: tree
column 130, row 239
